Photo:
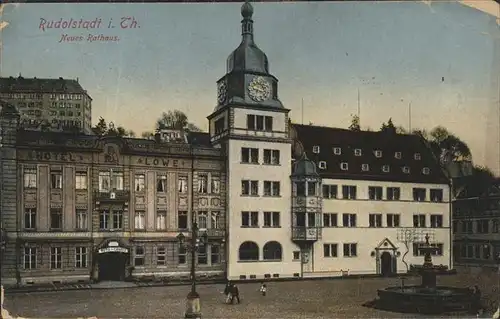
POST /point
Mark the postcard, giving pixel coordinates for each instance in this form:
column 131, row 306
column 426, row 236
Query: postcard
column 250, row 159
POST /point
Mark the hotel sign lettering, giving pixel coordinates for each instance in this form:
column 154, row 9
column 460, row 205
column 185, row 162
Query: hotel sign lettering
column 160, row 162
column 113, row 250
column 54, row 156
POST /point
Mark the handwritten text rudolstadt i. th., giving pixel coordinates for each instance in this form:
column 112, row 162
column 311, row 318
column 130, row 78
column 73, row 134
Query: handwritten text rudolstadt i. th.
column 92, row 26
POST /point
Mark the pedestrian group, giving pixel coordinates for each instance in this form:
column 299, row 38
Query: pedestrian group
column 232, row 293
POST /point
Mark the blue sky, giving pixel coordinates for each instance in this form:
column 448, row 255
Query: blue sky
column 394, row 53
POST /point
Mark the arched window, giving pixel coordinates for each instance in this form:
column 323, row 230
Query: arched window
column 272, row 251
column 249, row 251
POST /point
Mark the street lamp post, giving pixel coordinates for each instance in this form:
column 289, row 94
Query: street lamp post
column 193, row 306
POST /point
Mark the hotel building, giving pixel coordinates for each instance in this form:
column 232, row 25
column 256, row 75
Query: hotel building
column 53, row 104
column 276, row 199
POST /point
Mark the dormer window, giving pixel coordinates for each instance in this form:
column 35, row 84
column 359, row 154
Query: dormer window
column 344, row 166
column 397, row 155
column 385, row 168
column 417, row 156
column 365, row 167
column 322, row 164
column 406, row 170
column 337, row 150
column 316, row 149
column 357, row 152
column 426, row 171
column 378, row 153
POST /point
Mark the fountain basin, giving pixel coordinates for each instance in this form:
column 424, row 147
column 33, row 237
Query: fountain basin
column 418, row 299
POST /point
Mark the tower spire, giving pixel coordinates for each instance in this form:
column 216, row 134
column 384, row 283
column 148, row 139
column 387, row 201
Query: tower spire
column 247, row 22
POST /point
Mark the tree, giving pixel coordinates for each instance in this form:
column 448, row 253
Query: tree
column 104, row 129
column 146, row 134
column 447, row 147
column 176, row 120
column 131, row 133
column 407, row 236
column 389, row 127
column 101, row 127
column 401, row 130
column 422, row 133
column 355, row 125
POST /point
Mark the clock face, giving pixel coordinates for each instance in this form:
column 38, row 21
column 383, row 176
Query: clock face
column 259, row 89
column 222, row 92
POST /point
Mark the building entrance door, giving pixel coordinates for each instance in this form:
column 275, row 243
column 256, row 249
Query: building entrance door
column 386, row 261
column 112, row 259
column 112, row 266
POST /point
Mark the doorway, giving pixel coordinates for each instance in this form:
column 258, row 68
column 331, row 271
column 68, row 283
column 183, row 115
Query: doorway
column 112, row 266
column 386, row 261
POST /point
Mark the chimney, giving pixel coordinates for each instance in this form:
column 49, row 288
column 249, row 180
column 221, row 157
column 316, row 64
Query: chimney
column 77, row 80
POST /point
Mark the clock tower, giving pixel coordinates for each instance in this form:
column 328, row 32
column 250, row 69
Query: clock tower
column 250, row 125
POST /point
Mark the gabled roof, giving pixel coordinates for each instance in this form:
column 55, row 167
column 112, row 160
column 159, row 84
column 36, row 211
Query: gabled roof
column 407, row 156
column 386, row 243
column 38, row 85
column 476, row 187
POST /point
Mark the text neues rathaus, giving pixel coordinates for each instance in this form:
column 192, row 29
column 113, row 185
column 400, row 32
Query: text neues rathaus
column 276, row 199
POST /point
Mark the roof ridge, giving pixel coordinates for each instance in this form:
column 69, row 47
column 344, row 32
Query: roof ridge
column 348, row 130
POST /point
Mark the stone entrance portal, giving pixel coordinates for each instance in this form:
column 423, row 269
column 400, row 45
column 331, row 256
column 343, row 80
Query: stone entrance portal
column 385, row 254
column 112, row 261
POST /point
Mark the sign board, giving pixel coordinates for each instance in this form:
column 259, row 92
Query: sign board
column 113, row 250
column 113, row 244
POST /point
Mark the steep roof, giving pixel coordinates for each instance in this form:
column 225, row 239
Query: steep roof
column 39, row 85
column 407, row 157
column 474, row 186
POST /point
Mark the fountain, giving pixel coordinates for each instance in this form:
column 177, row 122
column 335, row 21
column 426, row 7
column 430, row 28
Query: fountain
column 426, row 298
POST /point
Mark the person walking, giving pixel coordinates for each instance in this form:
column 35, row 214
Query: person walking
column 476, row 300
column 235, row 293
column 263, row 289
column 227, row 291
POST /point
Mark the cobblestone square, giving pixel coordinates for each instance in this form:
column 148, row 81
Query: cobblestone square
column 343, row 298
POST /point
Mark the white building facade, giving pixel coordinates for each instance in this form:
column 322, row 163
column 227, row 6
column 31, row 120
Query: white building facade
column 361, row 235
column 350, row 204
column 250, row 125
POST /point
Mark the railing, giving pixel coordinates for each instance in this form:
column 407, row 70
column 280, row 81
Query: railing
column 213, row 232
column 306, row 233
column 115, row 195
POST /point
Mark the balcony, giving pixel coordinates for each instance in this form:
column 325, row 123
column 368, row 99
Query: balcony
column 112, row 196
column 213, row 232
column 303, row 233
